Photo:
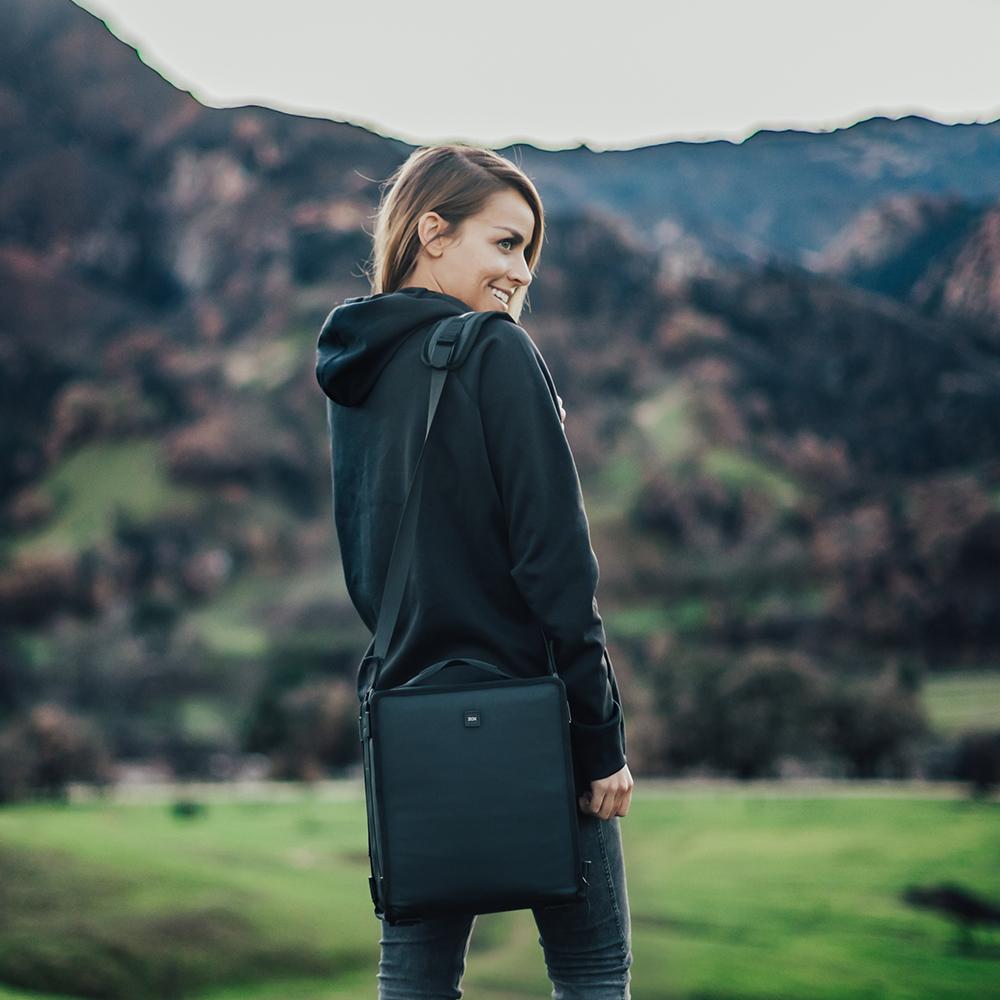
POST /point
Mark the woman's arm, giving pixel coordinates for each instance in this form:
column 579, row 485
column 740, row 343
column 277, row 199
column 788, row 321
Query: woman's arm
column 553, row 562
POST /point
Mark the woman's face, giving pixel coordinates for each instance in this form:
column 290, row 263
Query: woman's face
column 486, row 253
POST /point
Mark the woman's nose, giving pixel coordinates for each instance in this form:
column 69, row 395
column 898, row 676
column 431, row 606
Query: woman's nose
column 521, row 275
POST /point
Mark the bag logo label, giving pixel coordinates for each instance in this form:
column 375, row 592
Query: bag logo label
column 472, row 716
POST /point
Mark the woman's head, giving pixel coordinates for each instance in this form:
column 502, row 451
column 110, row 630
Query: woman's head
column 459, row 219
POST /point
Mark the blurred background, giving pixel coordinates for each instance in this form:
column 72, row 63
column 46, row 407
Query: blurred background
column 778, row 346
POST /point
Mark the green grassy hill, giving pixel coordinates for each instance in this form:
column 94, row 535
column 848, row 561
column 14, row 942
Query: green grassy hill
column 963, row 700
column 734, row 893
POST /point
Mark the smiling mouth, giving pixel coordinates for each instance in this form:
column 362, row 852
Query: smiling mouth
column 502, row 297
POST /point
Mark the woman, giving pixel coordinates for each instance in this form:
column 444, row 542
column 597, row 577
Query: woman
column 503, row 543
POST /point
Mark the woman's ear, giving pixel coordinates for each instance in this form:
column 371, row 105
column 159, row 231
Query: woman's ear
column 430, row 226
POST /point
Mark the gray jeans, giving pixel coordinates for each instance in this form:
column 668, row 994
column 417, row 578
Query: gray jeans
column 587, row 946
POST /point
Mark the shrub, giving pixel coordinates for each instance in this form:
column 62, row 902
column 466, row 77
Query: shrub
column 41, row 752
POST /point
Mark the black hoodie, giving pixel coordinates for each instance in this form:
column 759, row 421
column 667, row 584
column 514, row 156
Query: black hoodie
column 503, row 542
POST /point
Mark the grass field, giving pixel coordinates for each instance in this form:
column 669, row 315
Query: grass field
column 963, row 700
column 734, row 892
column 92, row 482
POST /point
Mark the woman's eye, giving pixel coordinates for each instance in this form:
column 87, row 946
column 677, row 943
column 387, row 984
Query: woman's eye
column 507, row 239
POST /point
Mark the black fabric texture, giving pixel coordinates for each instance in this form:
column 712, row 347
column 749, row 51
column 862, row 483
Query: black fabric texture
column 503, row 542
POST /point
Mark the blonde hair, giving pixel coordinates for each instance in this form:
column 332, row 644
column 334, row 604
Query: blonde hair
column 455, row 180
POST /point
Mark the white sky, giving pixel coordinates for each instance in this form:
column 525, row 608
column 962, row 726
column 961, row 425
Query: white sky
column 556, row 73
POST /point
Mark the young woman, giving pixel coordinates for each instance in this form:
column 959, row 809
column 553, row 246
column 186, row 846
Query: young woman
column 503, row 544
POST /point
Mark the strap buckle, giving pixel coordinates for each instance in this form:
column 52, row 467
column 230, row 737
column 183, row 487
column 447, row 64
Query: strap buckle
column 441, row 348
column 450, row 338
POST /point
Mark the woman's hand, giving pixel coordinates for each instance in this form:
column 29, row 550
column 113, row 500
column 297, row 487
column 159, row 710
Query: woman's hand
column 562, row 412
column 610, row 796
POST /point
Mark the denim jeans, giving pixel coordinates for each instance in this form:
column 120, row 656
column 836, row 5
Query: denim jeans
column 587, row 946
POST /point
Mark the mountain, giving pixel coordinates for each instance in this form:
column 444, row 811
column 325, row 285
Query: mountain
column 763, row 346
column 939, row 254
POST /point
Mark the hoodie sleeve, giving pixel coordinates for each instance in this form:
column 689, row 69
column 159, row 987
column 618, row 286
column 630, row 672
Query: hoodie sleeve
column 553, row 563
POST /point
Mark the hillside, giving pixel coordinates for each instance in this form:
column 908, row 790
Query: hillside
column 780, row 360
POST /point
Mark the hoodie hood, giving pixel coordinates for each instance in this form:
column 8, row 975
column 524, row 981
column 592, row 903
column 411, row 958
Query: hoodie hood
column 360, row 336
